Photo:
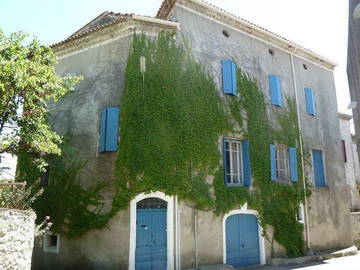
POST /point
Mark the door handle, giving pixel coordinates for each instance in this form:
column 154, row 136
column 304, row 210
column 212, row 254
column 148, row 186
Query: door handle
column 242, row 245
column 144, row 227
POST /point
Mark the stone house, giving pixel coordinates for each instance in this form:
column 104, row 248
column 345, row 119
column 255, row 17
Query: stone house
column 350, row 155
column 189, row 237
column 353, row 66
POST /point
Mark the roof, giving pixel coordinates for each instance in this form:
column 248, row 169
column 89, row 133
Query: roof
column 104, row 20
column 107, row 22
column 108, row 19
column 224, row 16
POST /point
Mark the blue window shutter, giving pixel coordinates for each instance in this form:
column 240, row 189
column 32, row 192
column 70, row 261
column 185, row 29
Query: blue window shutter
column 293, row 164
column 310, row 101
column 318, row 164
column 112, row 128
column 229, row 76
column 273, row 161
column 275, row 90
column 246, row 163
column 234, row 77
column 102, row 131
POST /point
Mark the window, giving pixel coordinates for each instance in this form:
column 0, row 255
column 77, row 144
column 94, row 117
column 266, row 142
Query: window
column 226, row 33
column 310, row 101
column 318, row 165
column 275, row 90
column 51, row 242
column 344, row 150
column 283, row 161
column 44, row 177
column 237, row 163
column 109, row 126
column 300, row 215
column 229, row 79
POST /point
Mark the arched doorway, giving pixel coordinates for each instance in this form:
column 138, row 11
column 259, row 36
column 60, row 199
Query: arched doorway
column 151, row 232
column 243, row 239
column 151, row 242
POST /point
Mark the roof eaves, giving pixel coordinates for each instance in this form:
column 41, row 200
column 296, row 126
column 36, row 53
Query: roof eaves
column 73, row 37
column 167, row 6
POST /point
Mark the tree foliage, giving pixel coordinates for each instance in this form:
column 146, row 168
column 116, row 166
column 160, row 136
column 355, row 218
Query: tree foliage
column 27, row 83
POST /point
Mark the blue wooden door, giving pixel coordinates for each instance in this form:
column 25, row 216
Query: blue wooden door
column 151, row 248
column 242, row 240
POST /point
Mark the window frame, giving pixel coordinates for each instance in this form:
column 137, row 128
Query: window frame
column 51, row 249
column 287, row 163
column 240, row 165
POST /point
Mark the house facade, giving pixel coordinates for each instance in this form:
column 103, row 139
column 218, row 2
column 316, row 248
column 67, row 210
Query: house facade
column 353, row 66
column 350, row 155
column 178, row 235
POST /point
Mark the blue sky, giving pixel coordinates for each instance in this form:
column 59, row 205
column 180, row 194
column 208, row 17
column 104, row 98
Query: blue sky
column 320, row 25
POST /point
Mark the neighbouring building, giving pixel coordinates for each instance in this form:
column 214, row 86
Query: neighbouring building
column 220, row 41
column 351, row 161
column 353, row 63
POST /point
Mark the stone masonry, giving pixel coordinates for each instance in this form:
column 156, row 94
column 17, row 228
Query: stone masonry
column 17, row 230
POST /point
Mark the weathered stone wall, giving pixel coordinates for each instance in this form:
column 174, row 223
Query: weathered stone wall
column 17, row 230
column 355, row 219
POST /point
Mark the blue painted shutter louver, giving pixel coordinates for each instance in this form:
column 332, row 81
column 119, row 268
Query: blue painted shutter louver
column 102, row 131
column 275, row 90
column 229, row 77
column 293, row 164
column 273, row 161
column 246, row 163
column 310, row 101
column 109, row 127
column 318, row 164
column 112, row 127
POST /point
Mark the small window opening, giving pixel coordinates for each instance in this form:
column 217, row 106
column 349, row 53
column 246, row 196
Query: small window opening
column 226, row 33
column 271, row 51
column 344, row 150
column 305, row 66
column 51, row 242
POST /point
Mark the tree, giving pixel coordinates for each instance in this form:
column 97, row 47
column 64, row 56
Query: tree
column 27, row 83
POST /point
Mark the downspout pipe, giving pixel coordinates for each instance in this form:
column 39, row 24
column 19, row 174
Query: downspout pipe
column 301, row 149
column 195, row 239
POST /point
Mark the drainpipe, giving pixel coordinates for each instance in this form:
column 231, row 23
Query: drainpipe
column 177, row 233
column 301, row 150
column 195, row 239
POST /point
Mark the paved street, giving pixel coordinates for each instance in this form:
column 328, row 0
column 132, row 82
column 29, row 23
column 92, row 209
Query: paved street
column 344, row 263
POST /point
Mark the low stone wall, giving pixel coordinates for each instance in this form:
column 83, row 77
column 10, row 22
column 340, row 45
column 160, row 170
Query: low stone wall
column 17, row 230
column 355, row 219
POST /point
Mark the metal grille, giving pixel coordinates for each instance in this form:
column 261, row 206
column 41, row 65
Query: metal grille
column 151, row 203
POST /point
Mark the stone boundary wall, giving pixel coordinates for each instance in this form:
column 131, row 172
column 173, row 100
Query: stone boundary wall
column 355, row 219
column 17, row 230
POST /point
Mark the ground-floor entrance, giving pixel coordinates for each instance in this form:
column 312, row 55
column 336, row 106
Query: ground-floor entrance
column 151, row 238
column 242, row 240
